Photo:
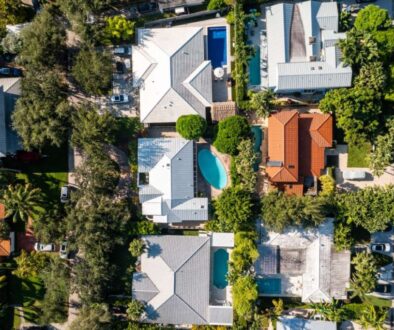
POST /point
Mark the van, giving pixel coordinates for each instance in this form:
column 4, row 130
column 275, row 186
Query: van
column 64, row 194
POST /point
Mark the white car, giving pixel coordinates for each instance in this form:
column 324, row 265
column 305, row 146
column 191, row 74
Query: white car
column 64, row 194
column 120, row 98
column 63, row 251
column 40, row 247
column 381, row 247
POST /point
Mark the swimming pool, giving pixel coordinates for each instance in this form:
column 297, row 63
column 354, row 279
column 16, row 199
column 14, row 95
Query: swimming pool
column 217, row 46
column 212, row 169
column 254, row 68
column 269, row 285
column 220, row 268
column 258, row 139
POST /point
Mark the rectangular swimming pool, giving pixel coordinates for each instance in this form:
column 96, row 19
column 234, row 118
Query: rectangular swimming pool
column 217, row 46
column 254, row 68
column 258, row 139
column 269, row 285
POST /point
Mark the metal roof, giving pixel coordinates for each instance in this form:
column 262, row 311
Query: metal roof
column 178, row 266
column 173, row 76
column 267, row 264
column 294, row 36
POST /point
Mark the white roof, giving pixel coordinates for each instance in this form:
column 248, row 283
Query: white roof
column 223, row 240
column 174, row 78
column 169, row 195
column 296, row 60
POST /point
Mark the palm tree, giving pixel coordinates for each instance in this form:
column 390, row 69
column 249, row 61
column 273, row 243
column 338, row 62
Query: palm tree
column 21, row 201
column 330, row 311
column 373, row 317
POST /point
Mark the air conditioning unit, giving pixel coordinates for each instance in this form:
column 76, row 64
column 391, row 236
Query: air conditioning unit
column 313, row 58
column 312, row 40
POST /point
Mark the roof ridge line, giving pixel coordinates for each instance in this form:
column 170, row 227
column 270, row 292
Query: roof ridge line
column 175, row 294
column 199, row 248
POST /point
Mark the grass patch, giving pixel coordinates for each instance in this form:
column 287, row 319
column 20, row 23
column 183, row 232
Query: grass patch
column 378, row 302
column 352, row 311
column 358, row 155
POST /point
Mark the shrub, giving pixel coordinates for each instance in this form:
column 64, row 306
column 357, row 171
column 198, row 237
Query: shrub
column 191, row 127
column 342, row 237
column 245, row 294
column 217, row 4
column 231, row 131
column 327, row 185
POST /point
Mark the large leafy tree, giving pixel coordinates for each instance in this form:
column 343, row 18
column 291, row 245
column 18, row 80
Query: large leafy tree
column 357, row 111
column 245, row 294
column 21, row 202
column 44, row 40
column 191, row 127
column 372, row 76
column 242, row 172
column 41, row 114
column 134, row 310
column 93, row 317
column 93, row 71
column 371, row 208
column 364, row 277
column 383, row 152
column 372, row 18
column 30, row 264
column 280, row 210
column 231, row 131
column 92, row 130
column 245, row 252
column 233, row 209
column 136, row 247
column 50, row 226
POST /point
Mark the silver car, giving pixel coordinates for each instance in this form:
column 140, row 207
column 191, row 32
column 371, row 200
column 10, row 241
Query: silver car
column 120, row 98
column 63, row 251
column 41, row 247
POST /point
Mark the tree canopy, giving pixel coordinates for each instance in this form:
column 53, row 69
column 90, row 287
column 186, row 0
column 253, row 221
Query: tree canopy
column 118, row 29
column 231, row 131
column 262, row 102
column 233, row 209
column 191, row 127
column 93, row 71
column 280, row 211
column 364, row 277
column 371, row 208
column 245, row 294
column 383, row 153
column 93, row 317
column 372, row 18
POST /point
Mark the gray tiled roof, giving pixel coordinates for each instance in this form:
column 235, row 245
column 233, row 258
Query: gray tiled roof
column 189, row 259
column 220, row 315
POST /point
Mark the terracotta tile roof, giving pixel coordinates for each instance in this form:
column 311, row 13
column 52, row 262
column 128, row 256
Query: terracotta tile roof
column 5, row 247
column 2, row 211
column 283, row 146
column 297, row 142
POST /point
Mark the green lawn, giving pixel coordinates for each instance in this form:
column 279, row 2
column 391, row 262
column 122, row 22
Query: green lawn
column 379, row 302
column 358, row 155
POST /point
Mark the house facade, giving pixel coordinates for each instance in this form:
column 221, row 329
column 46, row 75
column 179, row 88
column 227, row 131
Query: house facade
column 167, row 181
column 303, row 55
column 296, row 149
column 173, row 77
column 177, row 280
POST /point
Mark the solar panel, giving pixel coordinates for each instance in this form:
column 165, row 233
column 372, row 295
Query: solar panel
column 267, row 263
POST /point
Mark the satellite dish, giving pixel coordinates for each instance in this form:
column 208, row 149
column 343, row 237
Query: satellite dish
column 218, row 72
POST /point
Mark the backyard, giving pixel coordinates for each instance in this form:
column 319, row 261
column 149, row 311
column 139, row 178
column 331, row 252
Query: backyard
column 358, row 155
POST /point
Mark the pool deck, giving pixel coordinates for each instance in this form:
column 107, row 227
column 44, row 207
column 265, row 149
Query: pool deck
column 203, row 186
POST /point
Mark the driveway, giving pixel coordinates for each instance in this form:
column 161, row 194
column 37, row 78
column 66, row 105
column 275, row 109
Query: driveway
column 351, row 185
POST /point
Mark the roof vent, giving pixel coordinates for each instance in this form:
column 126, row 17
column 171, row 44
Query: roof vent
column 312, row 68
column 291, row 166
column 320, row 68
column 313, row 58
column 168, row 164
column 274, row 163
column 312, row 40
column 202, row 206
column 179, row 158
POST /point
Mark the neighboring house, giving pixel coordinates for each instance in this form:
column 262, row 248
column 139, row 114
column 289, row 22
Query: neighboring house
column 173, row 77
column 167, row 5
column 7, row 246
column 10, row 90
column 296, row 149
column 167, row 181
column 292, row 323
column 178, row 277
column 303, row 55
column 303, row 263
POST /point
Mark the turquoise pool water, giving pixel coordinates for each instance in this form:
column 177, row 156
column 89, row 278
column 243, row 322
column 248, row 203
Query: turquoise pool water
column 269, row 285
column 258, row 139
column 217, row 46
column 212, row 169
column 220, row 268
column 254, row 68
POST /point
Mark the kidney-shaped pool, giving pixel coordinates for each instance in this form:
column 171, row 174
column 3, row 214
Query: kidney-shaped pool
column 212, row 169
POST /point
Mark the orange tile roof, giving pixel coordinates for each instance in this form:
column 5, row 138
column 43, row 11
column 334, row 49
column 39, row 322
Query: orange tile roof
column 2, row 211
column 283, row 146
column 299, row 142
column 5, row 247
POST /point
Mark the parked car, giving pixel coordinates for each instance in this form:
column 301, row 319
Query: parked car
column 63, row 251
column 64, row 194
column 126, row 50
column 119, row 98
column 40, row 247
column 120, row 67
column 10, row 72
column 381, row 247
column 383, row 288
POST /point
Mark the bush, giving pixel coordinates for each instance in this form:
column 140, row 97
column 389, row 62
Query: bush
column 217, row 4
column 327, row 185
column 191, row 127
column 245, row 294
column 231, row 131
column 342, row 237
